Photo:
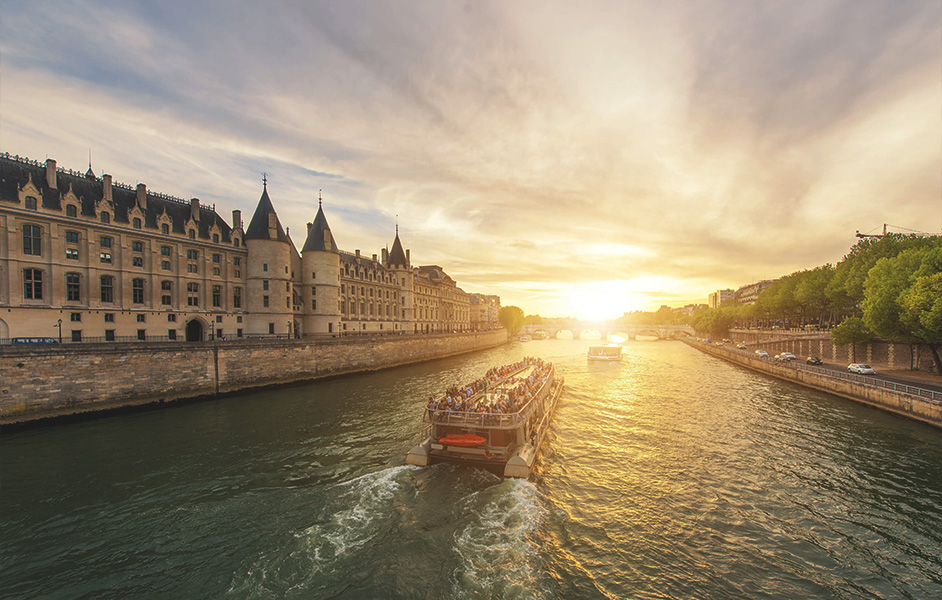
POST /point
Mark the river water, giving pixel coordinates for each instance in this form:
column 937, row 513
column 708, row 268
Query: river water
column 669, row 475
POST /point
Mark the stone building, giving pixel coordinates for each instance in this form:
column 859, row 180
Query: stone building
column 485, row 311
column 88, row 259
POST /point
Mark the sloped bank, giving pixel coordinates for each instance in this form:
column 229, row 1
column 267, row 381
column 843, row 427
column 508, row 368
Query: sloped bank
column 42, row 382
column 896, row 401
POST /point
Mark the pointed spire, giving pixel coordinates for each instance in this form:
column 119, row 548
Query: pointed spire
column 259, row 226
column 397, row 257
column 319, row 236
column 89, row 174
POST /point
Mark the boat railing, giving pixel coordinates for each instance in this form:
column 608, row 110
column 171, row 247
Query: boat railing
column 490, row 420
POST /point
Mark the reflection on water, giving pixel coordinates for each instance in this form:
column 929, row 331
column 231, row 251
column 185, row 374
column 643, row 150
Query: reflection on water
column 669, row 474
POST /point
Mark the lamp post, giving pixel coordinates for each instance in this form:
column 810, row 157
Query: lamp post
column 59, row 325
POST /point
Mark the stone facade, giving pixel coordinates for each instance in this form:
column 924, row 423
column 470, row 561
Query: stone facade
column 49, row 381
column 85, row 259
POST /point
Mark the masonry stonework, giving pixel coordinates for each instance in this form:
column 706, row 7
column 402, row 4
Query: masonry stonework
column 38, row 383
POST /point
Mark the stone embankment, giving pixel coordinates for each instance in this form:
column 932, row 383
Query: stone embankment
column 39, row 382
column 907, row 401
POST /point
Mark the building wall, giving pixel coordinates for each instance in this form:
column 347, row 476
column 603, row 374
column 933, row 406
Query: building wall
column 41, row 382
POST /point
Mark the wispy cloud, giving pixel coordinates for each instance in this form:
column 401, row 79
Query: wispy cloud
column 533, row 149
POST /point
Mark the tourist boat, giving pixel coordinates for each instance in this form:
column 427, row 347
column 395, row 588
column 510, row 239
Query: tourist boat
column 499, row 421
column 606, row 352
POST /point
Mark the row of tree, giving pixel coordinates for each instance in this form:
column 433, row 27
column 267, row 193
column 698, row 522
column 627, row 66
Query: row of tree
column 889, row 288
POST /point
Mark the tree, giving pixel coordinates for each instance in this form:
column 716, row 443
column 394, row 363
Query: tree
column 511, row 317
column 851, row 331
column 922, row 313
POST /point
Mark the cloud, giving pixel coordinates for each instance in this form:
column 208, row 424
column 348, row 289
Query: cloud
column 531, row 149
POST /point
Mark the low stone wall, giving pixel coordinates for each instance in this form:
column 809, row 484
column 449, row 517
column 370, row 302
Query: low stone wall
column 900, row 403
column 885, row 355
column 38, row 382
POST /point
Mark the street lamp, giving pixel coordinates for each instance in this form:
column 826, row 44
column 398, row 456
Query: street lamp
column 59, row 325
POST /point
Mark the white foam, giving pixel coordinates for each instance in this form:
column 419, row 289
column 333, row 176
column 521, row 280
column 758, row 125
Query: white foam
column 498, row 552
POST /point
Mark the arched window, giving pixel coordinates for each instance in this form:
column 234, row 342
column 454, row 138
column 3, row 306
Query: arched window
column 136, row 223
column 105, row 217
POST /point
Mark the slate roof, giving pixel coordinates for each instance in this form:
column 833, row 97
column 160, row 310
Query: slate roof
column 319, row 231
column 16, row 173
column 258, row 227
column 397, row 257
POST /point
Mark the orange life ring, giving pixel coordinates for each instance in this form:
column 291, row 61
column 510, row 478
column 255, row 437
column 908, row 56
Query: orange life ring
column 488, row 454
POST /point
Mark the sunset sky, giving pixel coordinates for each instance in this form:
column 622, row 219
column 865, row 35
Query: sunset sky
column 575, row 158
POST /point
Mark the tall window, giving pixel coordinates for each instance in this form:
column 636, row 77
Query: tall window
column 72, row 290
column 107, row 288
column 72, row 237
column 217, row 295
column 193, row 290
column 136, row 223
column 71, row 210
column 164, row 228
column 165, row 250
column 137, row 246
column 105, row 217
column 104, row 242
column 32, row 240
column 166, row 292
column 32, row 284
column 31, row 203
column 137, row 291
column 237, row 297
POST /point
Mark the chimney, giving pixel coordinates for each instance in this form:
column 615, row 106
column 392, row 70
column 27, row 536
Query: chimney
column 358, row 253
column 237, row 219
column 385, row 256
column 51, row 173
column 142, row 196
column 309, row 225
column 408, row 257
column 195, row 209
column 374, row 258
column 106, row 188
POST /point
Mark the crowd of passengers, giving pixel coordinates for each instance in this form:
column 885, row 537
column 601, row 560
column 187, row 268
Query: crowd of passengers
column 471, row 398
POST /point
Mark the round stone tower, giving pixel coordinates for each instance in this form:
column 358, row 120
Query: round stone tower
column 268, row 273
column 320, row 278
column 398, row 263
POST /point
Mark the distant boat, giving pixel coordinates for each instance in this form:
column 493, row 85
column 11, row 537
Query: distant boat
column 606, row 352
column 540, row 335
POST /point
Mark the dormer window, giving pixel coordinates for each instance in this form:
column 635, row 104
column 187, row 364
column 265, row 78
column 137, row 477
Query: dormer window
column 31, row 203
column 71, row 210
column 192, row 234
column 215, row 238
column 136, row 223
column 105, row 217
column 164, row 228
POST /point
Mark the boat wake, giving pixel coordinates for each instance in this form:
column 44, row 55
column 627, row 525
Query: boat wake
column 349, row 517
column 498, row 550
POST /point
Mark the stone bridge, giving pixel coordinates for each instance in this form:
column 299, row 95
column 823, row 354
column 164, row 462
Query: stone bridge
column 592, row 331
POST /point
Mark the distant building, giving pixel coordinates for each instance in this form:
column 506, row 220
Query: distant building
column 94, row 260
column 485, row 311
column 718, row 297
column 748, row 294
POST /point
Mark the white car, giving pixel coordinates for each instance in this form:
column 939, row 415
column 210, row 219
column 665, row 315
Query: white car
column 762, row 354
column 860, row 368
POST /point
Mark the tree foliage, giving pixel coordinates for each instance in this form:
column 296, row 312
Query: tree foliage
column 511, row 317
column 851, row 331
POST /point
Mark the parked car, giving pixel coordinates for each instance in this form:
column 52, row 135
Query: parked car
column 814, row 360
column 860, row 368
column 741, row 346
column 787, row 356
column 762, row 354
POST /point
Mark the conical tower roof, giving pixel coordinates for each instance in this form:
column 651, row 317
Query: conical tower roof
column 258, row 228
column 319, row 236
column 397, row 257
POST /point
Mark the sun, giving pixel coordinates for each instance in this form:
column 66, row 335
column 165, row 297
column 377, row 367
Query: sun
column 604, row 300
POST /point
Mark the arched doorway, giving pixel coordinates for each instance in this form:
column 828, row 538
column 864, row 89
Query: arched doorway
column 194, row 331
column 4, row 330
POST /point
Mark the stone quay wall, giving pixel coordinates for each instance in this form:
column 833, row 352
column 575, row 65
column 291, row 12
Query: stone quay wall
column 854, row 388
column 39, row 382
column 885, row 355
